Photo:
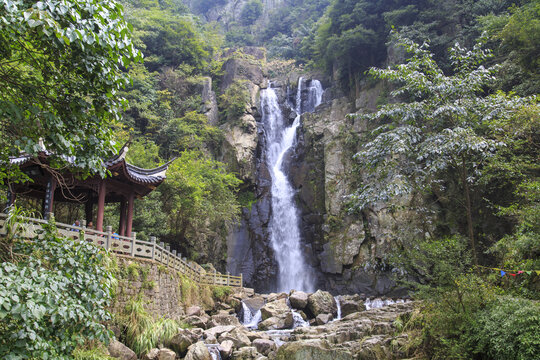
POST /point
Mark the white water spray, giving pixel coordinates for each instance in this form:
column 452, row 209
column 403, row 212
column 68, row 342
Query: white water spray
column 250, row 320
column 338, row 304
column 284, row 226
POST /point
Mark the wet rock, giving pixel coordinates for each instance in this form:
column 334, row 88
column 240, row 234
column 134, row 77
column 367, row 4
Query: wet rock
column 322, row 319
column 277, row 308
column 182, row 341
column 198, row 351
column 226, row 349
column 264, row 346
column 298, row 299
column 166, row 354
column 321, row 302
column 121, row 351
column 311, row 349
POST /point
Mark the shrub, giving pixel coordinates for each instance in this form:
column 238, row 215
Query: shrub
column 509, row 329
column 234, row 100
column 53, row 298
column 220, row 292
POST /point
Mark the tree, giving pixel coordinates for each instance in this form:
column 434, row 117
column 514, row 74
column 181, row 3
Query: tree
column 251, row 12
column 438, row 136
column 170, row 39
column 199, row 192
column 60, row 70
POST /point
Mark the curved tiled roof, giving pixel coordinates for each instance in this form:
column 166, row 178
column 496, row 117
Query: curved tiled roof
column 117, row 163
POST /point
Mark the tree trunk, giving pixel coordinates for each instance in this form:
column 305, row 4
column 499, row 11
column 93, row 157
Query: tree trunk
column 468, row 207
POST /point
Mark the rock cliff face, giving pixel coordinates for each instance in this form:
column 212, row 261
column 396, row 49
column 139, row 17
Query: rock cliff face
column 350, row 248
column 229, row 11
column 347, row 250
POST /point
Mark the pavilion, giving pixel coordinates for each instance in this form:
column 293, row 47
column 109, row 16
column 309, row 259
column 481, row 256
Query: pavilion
column 125, row 183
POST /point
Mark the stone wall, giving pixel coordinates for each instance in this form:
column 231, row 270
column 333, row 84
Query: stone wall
column 159, row 287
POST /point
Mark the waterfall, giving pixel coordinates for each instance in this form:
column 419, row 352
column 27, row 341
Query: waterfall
column 213, row 349
column 298, row 320
column 285, row 236
column 379, row 303
column 338, row 304
column 250, row 320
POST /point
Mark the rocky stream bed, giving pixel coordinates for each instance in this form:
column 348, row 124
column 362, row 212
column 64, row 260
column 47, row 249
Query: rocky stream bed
column 286, row 326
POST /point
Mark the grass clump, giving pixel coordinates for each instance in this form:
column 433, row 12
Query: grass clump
column 220, row 293
column 141, row 332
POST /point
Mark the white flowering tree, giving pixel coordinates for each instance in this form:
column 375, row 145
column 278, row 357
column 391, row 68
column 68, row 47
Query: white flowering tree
column 438, row 128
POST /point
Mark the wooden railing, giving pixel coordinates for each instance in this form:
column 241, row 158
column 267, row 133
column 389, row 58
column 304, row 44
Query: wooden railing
column 131, row 247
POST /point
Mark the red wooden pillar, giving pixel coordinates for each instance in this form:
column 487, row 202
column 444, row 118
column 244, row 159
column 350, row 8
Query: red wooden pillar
column 122, row 224
column 101, row 206
column 129, row 224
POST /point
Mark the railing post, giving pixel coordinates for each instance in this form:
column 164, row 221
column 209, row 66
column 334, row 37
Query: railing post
column 168, row 248
column 133, row 239
column 174, row 259
column 162, row 244
column 215, row 277
column 228, row 278
column 83, row 232
column 153, row 240
column 109, row 238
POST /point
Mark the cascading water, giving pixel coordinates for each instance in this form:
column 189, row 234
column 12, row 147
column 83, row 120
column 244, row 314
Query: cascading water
column 250, row 320
column 284, row 226
column 213, row 349
column 379, row 303
column 338, row 304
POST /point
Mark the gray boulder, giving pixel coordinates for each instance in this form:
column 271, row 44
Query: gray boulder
column 246, row 353
column 182, row 341
column 311, row 349
column 151, row 355
column 276, row 323
column 238, row 336
column 277, row 308
column 321, row 302
column 218, row 330
column 198, row 351
column 120, row 351
column 351, row 304
column 166, row 354
column 194, row 310
column 264, row 346
column 197, row 321
column 298, row 299
column 322, row 319
column 254, row 304
column 223, row 319
column 226, row 349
